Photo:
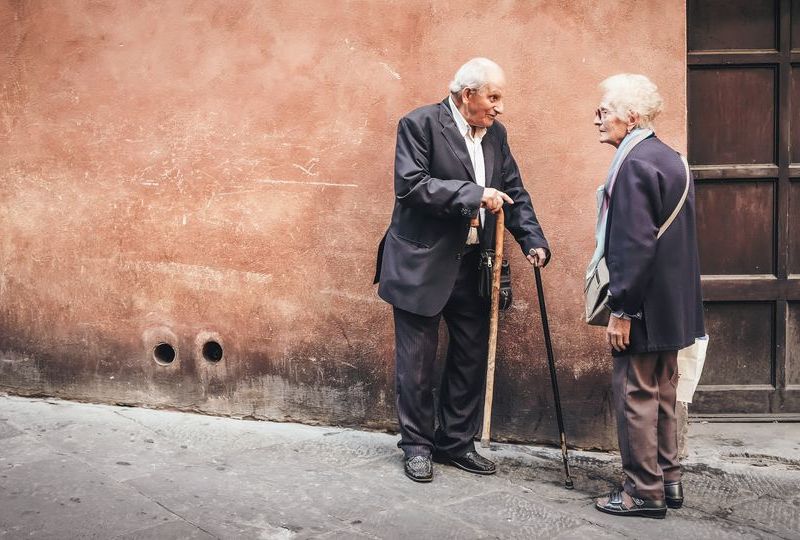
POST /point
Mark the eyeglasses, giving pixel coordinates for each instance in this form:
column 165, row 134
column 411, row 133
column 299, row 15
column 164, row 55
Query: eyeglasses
column 602, row 113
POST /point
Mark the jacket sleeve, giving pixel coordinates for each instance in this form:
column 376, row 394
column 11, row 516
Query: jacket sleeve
column 416, row 188
column 520, row 217
column 632, row 232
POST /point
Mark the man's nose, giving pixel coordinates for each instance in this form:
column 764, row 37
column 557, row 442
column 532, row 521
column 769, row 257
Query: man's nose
column 597, row 121
column 498, row 107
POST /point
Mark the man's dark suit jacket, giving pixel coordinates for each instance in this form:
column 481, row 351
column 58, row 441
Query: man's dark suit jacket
column 435, row 198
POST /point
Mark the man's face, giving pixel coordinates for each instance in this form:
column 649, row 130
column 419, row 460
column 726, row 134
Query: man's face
column 483, row 105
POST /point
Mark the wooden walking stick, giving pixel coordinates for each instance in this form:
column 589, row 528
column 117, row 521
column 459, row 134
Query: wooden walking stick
column 497, row 263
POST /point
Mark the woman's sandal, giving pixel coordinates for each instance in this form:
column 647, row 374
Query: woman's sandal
column 642, row 507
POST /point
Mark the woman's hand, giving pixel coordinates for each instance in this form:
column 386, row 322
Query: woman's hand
column 618, row 333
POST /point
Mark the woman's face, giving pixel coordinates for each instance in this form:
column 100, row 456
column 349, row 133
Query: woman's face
column 611, row 127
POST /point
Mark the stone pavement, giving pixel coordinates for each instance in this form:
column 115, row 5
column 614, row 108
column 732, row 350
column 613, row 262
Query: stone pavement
column 73, row 470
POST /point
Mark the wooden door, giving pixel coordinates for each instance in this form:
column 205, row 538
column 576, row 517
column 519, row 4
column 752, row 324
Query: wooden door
column 744, row 147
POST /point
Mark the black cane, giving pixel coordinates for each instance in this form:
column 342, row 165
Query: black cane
column 553, row 378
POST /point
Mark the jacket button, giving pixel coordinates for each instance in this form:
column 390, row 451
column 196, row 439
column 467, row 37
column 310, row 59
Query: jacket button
column 458, row 256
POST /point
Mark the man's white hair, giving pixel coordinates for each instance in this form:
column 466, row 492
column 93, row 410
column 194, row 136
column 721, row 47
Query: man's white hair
column 628, row 93
column 475, row 74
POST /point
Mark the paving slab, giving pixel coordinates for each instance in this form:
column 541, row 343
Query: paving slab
column 203, row 436
column 73, row 470
column 7, row 430
column 171, row 530
column 228, row 504
column 61, row 498
column 417, row 520
column 514, row 515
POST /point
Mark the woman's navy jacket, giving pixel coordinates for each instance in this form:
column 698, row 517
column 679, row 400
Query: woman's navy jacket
column 658, row 279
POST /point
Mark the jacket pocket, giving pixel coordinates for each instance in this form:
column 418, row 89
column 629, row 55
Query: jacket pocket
column 411, row 241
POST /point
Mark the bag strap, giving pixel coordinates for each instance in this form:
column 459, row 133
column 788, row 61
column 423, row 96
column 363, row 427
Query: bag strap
column 675, row 212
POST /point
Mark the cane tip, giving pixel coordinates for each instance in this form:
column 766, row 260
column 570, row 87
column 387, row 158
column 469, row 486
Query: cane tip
column 568, row 484
column 484, row 443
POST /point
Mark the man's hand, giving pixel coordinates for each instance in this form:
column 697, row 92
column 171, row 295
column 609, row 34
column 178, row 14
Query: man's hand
column 493, row 200
column 618, row 333
column 537, row 257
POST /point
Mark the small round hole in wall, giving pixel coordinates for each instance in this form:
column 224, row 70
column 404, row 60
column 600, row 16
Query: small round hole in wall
column 212, row 351
column 164, row 353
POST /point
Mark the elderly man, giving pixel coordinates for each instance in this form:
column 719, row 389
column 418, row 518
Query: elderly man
column 452, row 164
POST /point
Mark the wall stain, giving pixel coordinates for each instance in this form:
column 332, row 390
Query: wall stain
column 171, row 169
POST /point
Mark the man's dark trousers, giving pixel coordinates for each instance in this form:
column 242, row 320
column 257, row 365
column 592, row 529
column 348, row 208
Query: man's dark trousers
column 461, row 389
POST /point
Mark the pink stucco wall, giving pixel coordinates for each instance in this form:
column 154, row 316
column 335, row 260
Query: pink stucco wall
column 177, row 171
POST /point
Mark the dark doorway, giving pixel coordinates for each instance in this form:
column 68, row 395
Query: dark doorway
column 744, row 147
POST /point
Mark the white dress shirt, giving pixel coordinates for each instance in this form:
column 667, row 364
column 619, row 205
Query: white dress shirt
column 473, row 142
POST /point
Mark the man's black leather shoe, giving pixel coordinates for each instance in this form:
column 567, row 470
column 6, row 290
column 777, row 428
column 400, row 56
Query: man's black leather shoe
column 641, row 507
column 419, row 468
column 472, row 462
column 673, row 493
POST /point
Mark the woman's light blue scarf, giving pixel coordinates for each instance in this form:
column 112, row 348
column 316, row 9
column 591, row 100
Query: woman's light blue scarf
column 604, row 192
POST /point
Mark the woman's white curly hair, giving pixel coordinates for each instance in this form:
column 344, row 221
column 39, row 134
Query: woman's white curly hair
column 628, row 93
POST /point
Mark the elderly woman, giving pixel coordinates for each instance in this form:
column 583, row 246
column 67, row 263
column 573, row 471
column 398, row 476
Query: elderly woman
column 646, row 231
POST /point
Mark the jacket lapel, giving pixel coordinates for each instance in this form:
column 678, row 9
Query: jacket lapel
column 454, row 138
column 488, row 157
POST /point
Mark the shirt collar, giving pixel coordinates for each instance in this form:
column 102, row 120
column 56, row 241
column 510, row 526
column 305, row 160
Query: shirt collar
column 461, row 123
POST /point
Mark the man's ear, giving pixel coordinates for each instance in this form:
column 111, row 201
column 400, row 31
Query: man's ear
column 466, row 93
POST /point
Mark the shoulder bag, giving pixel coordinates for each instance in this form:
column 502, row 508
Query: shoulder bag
column 595, row 289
